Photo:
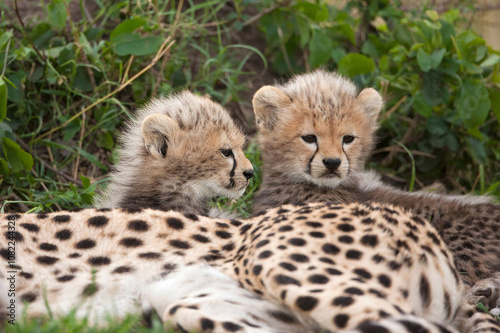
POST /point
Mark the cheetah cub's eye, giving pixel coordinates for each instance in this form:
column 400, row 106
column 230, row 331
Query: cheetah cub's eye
column 226, row 152
column 348, row 139
column 309, row 138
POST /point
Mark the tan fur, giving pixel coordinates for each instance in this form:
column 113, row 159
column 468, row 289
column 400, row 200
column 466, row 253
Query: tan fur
column 328, row 106
column 170, row 157
column 295, row 269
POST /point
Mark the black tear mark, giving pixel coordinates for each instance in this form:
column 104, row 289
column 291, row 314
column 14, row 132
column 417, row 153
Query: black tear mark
column 232, row 183
column 308, row 170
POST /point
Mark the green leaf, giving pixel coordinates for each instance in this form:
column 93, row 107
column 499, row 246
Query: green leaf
column 495, row 102
column 106, row 141
column 354, row 64
column 126, row 27
column 3, row 99
column 4, row 168
column 82, row 79
column 320, row 49
column 85, row 181
column 316, row 12
column 57, row 14
column 421, row 106
column 473, row 103
column 135, row 44
column 424, row 60
column 432, row 14
column 4, row 128
column 492, row 60
column 18, row 159
column 92, row 158
column 477, row 150
column 437, row 57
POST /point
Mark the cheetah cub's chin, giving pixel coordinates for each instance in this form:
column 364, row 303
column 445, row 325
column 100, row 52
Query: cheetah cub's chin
column 316, row 129
column 177, row 153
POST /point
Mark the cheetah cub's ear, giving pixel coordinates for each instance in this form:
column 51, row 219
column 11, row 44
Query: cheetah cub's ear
column 267, row 102
column 372, row 103
column 157, row 131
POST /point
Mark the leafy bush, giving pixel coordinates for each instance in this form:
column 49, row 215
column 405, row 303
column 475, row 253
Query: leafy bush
column 441, row 84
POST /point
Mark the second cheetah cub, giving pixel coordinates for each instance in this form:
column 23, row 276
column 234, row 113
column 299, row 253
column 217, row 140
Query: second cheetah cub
column 177, row 153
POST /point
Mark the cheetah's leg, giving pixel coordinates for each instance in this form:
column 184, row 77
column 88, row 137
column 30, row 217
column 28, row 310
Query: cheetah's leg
column 200, row 298
column 486, row 291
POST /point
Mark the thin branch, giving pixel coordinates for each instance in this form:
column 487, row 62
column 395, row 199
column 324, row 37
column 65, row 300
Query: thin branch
column 264, row 12
column 16, row 9
column 161, row 52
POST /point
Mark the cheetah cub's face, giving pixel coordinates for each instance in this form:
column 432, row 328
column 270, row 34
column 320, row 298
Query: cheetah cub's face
column 316, row 128
column 195, row 141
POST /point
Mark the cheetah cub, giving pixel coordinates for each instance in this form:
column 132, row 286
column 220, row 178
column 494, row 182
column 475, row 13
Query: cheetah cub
column 315, row 134
column 310, row 268
column 177, row 153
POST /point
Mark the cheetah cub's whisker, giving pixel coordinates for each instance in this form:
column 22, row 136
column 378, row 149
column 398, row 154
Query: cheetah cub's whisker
column 315, row 135
column 178, row 153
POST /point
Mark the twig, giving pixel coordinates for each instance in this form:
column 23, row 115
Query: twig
column 129, row 62
column 398, row 149
column 283, row 49
column 394, row 108
column 16, row 9
column 161, row 52
column 404, row 140
column 14, row 196
column 77, row 161
column 264, row 12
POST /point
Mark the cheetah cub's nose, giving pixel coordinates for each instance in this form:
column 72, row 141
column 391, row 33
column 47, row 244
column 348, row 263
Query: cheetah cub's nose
column 332, row 163
column 248, row 174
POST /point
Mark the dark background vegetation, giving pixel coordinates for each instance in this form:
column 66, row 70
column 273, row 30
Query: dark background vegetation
column 72, row 71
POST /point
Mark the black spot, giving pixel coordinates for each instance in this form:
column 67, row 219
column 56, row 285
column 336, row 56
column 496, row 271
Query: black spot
column 330, row 248
column 102, row 210
column 175, row 223
column 283, row 279
column 132, row 210
column 75, row 210
column 353, row 254
column 75, row 255
column 368, row 220
column 327, row 260
column 288, row 267
column 369, row 240
column 306, row 303
column 122, row 269
column 262, row 243
column 363, row 273
column 257, row 269
column 223, row 234
column 345, row 227
column 371, row 327
column 384, row 280
column 63, row 234
column 30, row 227
column 6, row 254
column 131, row 242
column 206, row 324
column 65, row 278
column 329, row 216
column 192, row 217
column 14, row 236
column 138, row 225
column 99, row 261
column 343, row 301
column 85, row 244
column 341, row 320
column 318, row 279
column 285, row 228
column 282, row 316
column 28, row 297
column 46, row 260
column 434, row 238
column 346, row 239
column 200, row 238
column 413, row 326
column 98, row 221
column 174, row 309
column 48, row 247
column 297, row 241
column 150, row 255
column 61, row 218
column 245, row 228
column 378, row 258
column 299, row 257
column 236, row 223
column 354, row 291
column 314, row 224
column 316, row 234
column 12, row 217
column 333, row 271
column 180, row 244
column 265, row 254
column 42, row 216
column 222, row 225
column 425, row 291
column 228, row 247
column 394, row 265
column 231, row 327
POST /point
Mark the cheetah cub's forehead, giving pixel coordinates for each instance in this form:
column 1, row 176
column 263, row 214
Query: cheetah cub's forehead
column 316, row 128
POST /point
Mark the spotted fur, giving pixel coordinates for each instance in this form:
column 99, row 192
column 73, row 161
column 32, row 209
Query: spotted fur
column 172, row 156
column 329, row 107
column 314, row 267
